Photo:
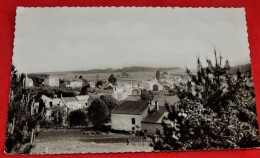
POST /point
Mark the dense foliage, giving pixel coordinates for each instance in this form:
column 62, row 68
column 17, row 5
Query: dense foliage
column 112, row 79
column 147, row 95
column 77, row 117
column 98, row 113
column 216, row 110
column 57, row 116
column 84, row 90
column 23, row 122
column 110, row 102
column 99, row 83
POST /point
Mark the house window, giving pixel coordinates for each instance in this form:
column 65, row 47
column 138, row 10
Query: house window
column 145, row 131
column 133, row 128
column 133, row 121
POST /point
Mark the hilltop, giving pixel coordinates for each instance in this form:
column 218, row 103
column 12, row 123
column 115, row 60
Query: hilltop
column 125, row 69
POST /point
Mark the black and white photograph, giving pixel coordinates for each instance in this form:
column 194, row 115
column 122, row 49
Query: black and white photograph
column 130, row 79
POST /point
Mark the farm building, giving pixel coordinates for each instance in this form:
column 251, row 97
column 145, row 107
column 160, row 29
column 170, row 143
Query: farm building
column 128, row 115
column 52, row 81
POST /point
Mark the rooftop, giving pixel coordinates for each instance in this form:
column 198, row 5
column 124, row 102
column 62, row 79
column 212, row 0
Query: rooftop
column 82, row 97
column 156, row 116
column 131, row 108
column 169, row 99
column 69, row 99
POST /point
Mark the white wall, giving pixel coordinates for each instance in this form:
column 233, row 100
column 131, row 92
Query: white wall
column 124, row 122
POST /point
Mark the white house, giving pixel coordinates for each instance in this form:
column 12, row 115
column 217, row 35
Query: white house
column 75, row 84
column 83, row 100
column 71, row 103
column 128, row 115
column 52, row 81
column 57, row 102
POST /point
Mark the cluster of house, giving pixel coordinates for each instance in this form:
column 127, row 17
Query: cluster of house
column 165, row 83
column 69, row 103
column 132, row 115
column 142, row 115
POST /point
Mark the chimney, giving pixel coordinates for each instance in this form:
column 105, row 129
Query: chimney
column 156, row 106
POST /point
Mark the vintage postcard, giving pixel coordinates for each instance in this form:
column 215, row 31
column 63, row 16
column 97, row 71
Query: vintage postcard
column 128, row 79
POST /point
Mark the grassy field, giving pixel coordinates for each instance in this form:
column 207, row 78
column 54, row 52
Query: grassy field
column 76, row 141
column 133, row 76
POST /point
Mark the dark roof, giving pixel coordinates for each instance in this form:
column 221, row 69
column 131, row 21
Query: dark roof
column 131, row 107
column 155, row 116
column 69, row 99
column 170, row 99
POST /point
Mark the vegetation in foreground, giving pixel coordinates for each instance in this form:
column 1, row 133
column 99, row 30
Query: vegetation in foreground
column 216, row 110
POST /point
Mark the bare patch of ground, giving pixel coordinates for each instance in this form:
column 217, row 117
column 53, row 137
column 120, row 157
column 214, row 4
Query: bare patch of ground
column 59, row 142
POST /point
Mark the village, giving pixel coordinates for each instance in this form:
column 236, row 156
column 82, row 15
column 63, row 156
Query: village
column 130, row 79
column 139, row 110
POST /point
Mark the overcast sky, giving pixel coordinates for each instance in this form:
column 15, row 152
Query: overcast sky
column 63, row 39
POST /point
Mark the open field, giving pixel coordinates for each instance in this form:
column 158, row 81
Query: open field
column 76, row 141
column 133, row 76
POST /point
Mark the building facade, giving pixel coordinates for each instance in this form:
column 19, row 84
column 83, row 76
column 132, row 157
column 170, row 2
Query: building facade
column 128, row 115
column 52, row 81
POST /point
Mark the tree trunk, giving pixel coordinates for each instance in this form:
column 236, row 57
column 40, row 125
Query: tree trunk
column 12, row 130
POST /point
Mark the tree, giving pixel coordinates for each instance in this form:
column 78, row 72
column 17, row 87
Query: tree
column 99, row 83
column 57, row 115
column 84, row 90
column 158, row 75
column 22, row 121
column 216, row 110
column 98, row 113
column 112, row 79
column 147, row 95
column 77, row 117
column 110, row 102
